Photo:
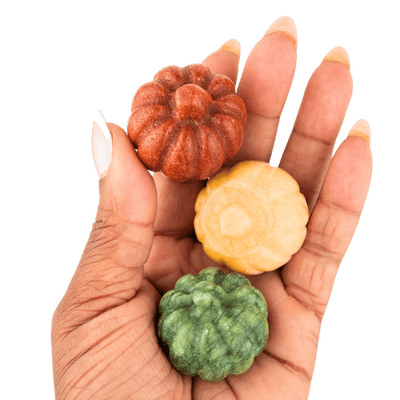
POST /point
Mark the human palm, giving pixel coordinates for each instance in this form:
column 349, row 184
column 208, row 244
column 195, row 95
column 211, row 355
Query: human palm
column 104, row 330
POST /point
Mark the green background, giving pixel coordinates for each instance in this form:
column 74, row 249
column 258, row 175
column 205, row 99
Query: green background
column 60, row 62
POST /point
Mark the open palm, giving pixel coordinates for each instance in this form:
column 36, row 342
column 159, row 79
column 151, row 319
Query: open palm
column 104, row 334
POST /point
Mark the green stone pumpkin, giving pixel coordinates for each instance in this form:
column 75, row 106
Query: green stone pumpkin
column 214, row 324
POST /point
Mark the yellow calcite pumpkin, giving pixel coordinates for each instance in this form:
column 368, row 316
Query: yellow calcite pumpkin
column 252, row 218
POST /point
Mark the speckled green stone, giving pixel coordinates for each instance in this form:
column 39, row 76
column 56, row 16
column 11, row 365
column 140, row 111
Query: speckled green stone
column 214, row 324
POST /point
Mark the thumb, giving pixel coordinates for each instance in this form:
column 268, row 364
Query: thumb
column 111, row 268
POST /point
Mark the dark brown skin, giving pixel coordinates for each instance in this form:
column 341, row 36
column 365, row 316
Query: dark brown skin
column 103, row 335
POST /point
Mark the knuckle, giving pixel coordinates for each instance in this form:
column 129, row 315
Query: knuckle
column 106, row 229
column 118, row 241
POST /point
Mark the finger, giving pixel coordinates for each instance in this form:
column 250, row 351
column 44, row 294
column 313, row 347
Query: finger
column 111, row 268
column 310, row 274
column 170, row 259
column 225, row 60
column 264, row 87
column 175, row 211
column 309, row 149
column 175, row 206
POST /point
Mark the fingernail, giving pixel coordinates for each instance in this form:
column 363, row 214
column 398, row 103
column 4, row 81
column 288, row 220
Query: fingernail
column 338, row 54
column 361, row 128
column 232, row 45
column 284, row 25
column 101, row 145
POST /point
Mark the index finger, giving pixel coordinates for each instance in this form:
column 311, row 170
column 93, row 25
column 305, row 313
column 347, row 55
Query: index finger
column 175, row 210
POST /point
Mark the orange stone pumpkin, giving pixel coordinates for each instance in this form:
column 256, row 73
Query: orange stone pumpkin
column 187, row 122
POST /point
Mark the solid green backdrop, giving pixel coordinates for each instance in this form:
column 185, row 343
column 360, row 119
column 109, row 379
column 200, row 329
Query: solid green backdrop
column 60, row 62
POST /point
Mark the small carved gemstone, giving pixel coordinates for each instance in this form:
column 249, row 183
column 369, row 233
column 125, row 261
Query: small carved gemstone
column 214, row 324
column 187, row 122
column 252, row 218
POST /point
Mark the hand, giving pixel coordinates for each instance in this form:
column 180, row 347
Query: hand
column 104, row 336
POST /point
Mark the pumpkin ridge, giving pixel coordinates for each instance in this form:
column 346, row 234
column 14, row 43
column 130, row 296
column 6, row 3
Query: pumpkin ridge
column 145, row 96
column 170, row 145
column 195, row 346
column 222, row 334
column 182, row 362
column 197, row 157
column 140, row 118
column 236, row 349
column 207, row 79
column 162, row 138
column 221, row 86
column 251, row 333
column 231, row 108
column 220, row 135
column 222, row 124
column 217, row 275
column 160, row 77
column 146, row 130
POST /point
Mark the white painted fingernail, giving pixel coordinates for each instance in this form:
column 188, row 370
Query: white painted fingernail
column 101, row 144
